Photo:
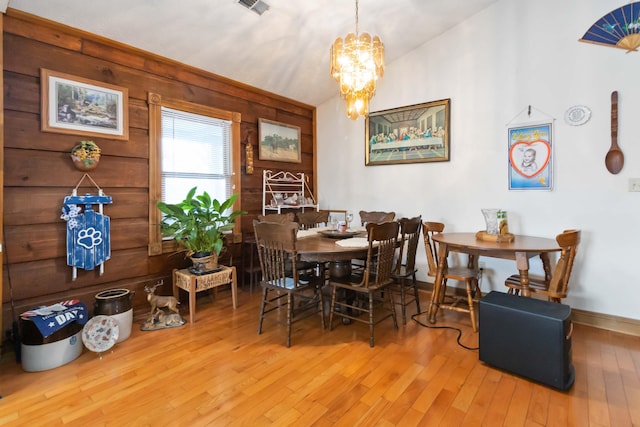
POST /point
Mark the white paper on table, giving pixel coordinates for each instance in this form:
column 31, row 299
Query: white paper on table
column 306, row 233
column 311, row 231
column 353, row 242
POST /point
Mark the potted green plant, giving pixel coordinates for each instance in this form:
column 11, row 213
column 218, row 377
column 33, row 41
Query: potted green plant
column 198, row 223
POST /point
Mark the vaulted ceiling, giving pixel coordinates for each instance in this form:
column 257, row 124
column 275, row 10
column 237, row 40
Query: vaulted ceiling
column 284, row 51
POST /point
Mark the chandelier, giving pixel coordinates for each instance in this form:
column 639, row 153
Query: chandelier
column 356, row 63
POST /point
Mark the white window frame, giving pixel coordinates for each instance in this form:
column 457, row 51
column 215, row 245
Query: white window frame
column 157, row 245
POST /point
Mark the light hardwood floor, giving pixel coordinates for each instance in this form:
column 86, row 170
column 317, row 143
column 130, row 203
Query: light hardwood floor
column 219, row 371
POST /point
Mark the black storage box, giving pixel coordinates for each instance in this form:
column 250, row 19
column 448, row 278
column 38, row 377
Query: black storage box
column 527, row 337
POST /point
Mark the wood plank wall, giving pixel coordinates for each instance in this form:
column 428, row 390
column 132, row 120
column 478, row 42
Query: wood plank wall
column 39, row 172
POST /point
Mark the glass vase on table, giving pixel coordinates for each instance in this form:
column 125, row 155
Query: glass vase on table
column 491, row 220
column 349, row 218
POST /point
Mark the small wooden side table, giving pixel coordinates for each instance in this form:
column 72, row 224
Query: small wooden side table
column 193, row 283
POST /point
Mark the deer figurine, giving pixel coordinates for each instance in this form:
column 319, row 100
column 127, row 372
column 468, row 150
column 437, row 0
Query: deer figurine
column 157, row 301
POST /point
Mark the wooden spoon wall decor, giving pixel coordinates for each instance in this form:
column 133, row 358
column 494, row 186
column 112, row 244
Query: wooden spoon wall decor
column 614, row 159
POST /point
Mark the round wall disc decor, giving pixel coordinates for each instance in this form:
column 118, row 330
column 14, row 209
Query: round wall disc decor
column 577, row 115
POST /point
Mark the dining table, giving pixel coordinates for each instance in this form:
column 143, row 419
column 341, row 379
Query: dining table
column 520, row 248
column 319, row 248
column 337, row 250
column 333, row 252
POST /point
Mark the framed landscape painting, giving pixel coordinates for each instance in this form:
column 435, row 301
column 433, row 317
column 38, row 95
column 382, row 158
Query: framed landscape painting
column 414, row 134
column 279, row 142
column 79, row 106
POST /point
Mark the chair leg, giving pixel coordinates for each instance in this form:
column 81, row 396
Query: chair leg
column 289, row 317
column 371, row 317
column 333, row 306
column 393, row 310
column 262, row 307
column 472, row 313
column 415, row 293
column 402, row 301
column 319, row 292
column 478, row 292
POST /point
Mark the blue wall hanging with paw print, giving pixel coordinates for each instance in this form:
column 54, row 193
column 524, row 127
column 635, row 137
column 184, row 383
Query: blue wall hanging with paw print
column 88, row 231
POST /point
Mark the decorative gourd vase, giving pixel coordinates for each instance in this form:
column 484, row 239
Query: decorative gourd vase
column 491, row 220
column 86, row 164
column 85, row 155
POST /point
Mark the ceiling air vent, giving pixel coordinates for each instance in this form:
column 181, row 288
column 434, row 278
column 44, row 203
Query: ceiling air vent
column 258, row 6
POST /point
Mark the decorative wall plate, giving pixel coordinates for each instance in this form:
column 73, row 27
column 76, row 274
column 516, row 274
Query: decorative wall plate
column 577, row 115
column 100, row 333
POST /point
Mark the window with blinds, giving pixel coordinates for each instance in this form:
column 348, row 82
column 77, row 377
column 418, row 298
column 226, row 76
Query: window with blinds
column 196, row 151
column 190, row 145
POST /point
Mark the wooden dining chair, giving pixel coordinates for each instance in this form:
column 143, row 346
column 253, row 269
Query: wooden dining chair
column 312, row 219
column 557, row 288
column 468, row 275
column 286, row 218
column 376, row 216
column 373, row 283
column 280, row 218
column 249, row 247
column 276, row 247
column 307, row 220
column 404, row 274
column 367, row 217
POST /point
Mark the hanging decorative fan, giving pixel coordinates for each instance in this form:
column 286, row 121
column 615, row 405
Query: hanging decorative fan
column 619, row 28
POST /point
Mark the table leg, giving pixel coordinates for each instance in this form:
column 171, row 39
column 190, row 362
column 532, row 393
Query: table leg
column 437, row 284
column 175, row 285
column 522, row 262
column 234, row 287
column 251, row 272
column 192, row 298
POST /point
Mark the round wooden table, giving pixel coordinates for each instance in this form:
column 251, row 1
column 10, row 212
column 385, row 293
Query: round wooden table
column 520, row 249
column 321, row 250
column 324, row 249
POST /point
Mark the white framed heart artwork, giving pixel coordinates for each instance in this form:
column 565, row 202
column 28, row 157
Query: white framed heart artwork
column 531, row 157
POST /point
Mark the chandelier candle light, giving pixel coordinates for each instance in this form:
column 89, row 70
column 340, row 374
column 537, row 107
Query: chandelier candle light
column 356, row 63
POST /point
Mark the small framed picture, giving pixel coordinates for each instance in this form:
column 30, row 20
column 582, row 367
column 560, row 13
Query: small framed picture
column 414, row 134
column 279, row 142
column 80, row 106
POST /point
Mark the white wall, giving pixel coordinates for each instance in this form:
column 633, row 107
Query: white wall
column 514, row 54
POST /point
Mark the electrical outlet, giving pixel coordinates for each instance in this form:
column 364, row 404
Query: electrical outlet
column 634, row 184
